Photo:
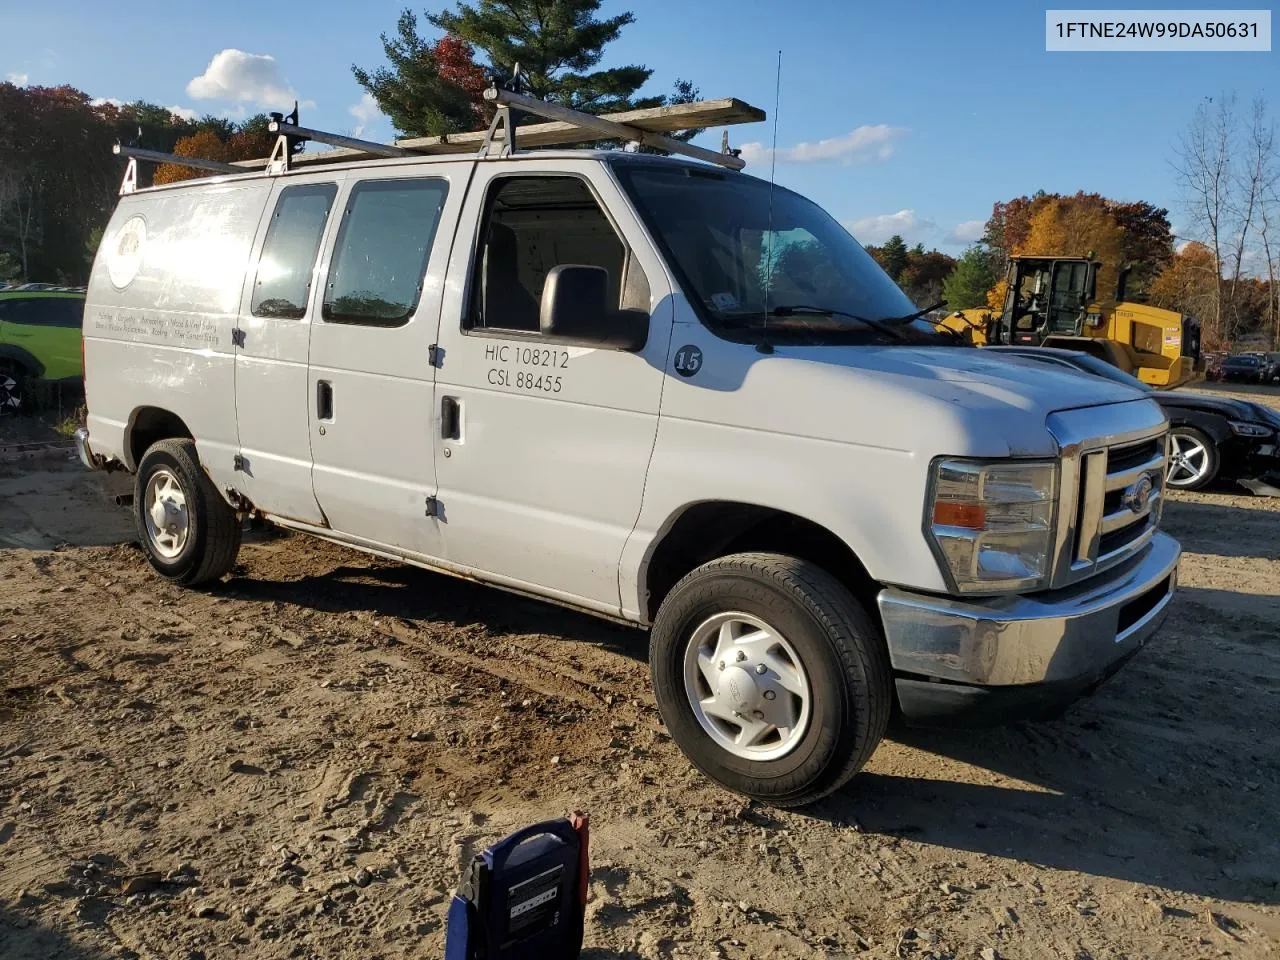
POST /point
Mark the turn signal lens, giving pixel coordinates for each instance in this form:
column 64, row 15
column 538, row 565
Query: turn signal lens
column 970, row 516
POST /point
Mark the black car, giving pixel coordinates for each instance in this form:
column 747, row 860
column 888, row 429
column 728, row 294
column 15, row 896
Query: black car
column 1248, row 367
column 1271, row 363
column 1210, row 436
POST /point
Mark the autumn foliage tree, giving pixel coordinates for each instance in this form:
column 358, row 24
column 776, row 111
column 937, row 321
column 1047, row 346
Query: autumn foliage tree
column 249, row 140
column 919, row 272
column 1119, row 233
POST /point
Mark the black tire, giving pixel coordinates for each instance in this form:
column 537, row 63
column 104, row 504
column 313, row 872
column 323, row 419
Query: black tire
column 213, row 530
column 839, row 647
column 15, row 390
column 1214, row 460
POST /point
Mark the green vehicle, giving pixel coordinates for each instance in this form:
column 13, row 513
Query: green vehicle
column 39, row 341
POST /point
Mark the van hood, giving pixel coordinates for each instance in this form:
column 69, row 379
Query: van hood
column 921, row 401
column 1016, row 381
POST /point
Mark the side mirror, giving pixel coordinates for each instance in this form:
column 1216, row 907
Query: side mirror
column 575, row 309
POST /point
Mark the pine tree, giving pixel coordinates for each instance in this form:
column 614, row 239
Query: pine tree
column 967, row 285
column 557, row 43
column 893, row 257
column 421, row 94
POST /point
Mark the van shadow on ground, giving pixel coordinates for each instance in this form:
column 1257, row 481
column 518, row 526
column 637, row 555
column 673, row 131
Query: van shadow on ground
column 23, row 938
column 1122, row 787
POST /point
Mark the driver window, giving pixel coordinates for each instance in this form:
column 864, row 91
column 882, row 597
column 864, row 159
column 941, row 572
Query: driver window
column 532, row 224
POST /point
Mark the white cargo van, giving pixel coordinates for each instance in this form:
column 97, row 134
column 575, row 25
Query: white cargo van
column 649, row 388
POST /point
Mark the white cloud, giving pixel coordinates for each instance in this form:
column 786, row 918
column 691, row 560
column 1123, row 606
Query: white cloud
column 880, row 228
column 186, row 113
column 18, row 79
column 967, row 232
column 367, row 115
column 243, row 77
column 867, row 142
column 101, row 101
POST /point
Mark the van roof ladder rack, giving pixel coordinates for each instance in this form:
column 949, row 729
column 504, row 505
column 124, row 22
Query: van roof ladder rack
column 155, row 156
column 649, row 127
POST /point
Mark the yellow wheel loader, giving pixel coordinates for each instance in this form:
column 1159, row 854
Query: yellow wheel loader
column 1052, row 302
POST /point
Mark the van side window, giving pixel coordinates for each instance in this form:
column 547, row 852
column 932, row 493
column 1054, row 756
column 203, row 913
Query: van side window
column 381, row 255
column 283, row 286
column 531, row 225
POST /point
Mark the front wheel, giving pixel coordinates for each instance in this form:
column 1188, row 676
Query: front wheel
column 189, row 531
column 770, row 677
column 1193, row 459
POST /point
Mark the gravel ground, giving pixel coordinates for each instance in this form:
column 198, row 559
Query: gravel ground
column 296, row 762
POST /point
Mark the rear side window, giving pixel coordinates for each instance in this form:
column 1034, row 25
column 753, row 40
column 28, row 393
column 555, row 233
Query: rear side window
column 283, row 286
column 43, row 311
column 388, row 227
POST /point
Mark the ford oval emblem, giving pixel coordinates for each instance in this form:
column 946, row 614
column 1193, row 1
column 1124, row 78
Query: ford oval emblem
column 1138, row 493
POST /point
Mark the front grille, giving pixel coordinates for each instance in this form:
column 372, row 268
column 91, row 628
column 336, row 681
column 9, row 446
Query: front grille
column 1119, row 502
column 1118, row 538
column 1133, row 455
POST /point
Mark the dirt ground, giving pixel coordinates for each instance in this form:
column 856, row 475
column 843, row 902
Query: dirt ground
column 295, row 763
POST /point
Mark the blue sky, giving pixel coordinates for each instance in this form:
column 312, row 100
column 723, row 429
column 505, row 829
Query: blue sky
column 931, row 111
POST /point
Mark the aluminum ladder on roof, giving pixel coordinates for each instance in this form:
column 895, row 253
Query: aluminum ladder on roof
column 647, row 127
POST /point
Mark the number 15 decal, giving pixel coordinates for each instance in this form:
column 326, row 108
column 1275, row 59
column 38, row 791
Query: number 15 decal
column 688, row 360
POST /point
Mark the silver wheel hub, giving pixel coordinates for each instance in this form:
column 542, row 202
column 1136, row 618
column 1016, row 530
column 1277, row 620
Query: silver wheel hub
column 10, row 398
column 167, row 516
column 1188, row 460
column 747, row 687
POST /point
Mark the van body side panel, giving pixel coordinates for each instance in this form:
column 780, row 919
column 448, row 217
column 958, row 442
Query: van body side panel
column 161, row 304
column 373, row 457
column 543, row 485
column 273, row 398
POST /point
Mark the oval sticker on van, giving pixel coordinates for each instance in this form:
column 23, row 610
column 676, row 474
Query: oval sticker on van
column 124, row 258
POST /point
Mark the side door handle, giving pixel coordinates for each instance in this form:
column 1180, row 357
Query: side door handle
column 324, row 400
column 450, row 418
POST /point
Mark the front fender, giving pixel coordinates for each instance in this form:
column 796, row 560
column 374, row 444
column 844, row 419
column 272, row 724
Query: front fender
column 871, row 498
column 1212, row 424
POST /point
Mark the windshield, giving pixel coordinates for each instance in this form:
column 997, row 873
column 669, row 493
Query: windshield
column 746, row 269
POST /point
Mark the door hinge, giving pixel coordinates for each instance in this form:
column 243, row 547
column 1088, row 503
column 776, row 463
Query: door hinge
column 435, row 355
column 432, row 507
column 238, row 462
column 237, row 337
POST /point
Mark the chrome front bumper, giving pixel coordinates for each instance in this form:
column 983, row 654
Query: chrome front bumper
column 1067, row 638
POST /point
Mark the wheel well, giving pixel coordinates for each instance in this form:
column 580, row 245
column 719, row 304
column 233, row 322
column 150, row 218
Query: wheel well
column 17, row 367
column 149, row 425
column 706, row 531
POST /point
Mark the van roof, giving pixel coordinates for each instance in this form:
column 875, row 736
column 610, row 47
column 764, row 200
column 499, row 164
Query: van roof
column 598, row 155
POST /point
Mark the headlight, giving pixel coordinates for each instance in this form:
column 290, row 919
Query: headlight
column 992, row 523
column 1248, row 429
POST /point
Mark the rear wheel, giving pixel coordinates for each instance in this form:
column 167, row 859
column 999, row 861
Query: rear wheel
column 1193, row 459
column 770, row 677
column 189, row 531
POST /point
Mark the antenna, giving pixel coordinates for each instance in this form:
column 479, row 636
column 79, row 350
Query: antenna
column 764, row 346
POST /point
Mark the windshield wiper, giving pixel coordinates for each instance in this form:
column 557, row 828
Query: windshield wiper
column 915, row 316
column 801, row 309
